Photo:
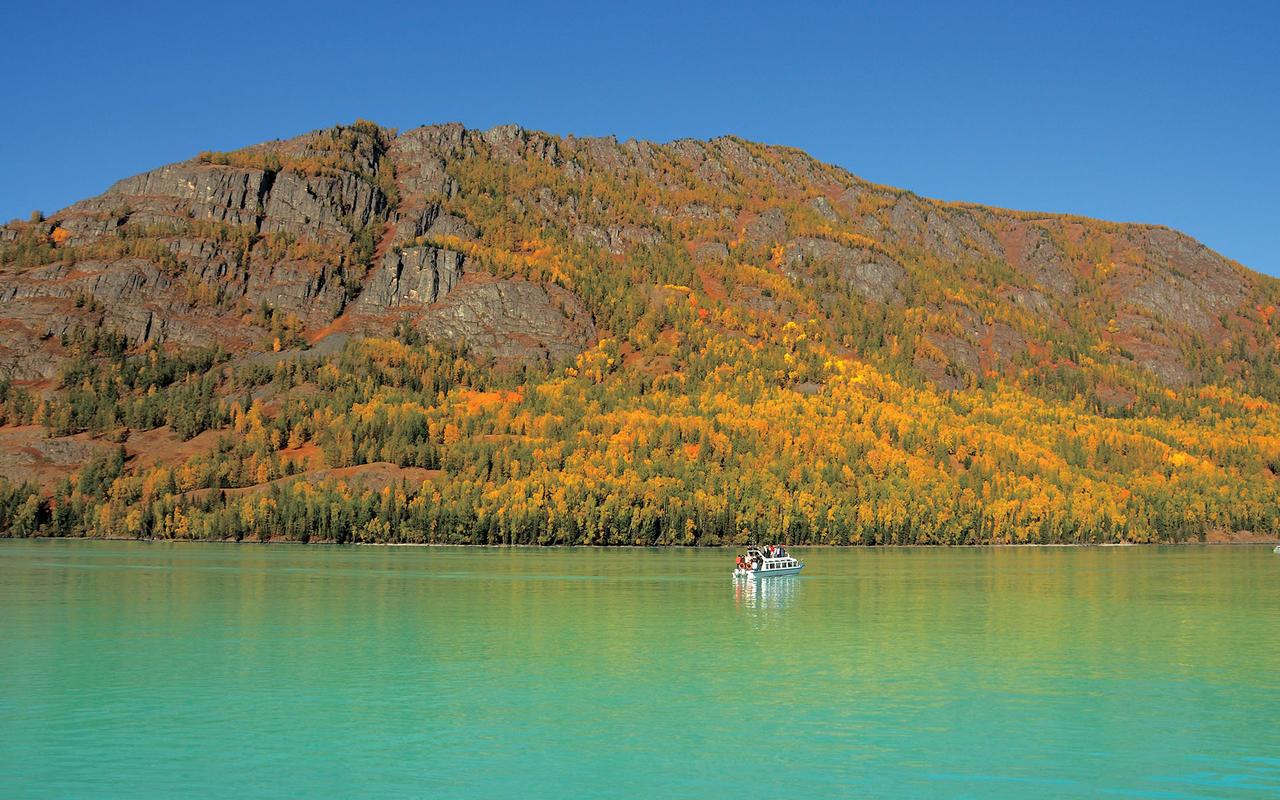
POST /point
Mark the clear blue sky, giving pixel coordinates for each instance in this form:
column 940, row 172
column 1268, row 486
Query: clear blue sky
column 1152, row 112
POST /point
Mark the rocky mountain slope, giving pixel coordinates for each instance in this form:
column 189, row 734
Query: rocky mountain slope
column 362, row 226
column 536, row 252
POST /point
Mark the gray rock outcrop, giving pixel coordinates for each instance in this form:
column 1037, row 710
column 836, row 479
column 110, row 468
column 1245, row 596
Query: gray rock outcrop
column 416, row 276
column 511, row 319
column 873, row 275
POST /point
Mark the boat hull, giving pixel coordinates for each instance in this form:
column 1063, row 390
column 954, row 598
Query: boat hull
column 767, row 573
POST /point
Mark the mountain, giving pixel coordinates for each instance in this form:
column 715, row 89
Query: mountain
column 504, row 335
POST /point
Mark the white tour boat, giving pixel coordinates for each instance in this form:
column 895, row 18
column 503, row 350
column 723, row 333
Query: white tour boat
column 761, row 562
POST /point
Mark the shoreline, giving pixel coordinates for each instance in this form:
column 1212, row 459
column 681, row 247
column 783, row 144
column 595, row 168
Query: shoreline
column 1233, row 542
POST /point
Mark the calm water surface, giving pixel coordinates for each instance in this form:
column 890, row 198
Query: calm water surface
column 133, row 669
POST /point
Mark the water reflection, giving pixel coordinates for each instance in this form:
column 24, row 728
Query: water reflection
column 761, row 593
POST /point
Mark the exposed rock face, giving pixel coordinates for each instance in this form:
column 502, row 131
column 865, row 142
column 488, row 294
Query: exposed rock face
column 324, row 207
column 1182, row 281
column 874, row 276
column 199, row 191
column 310, row 290
column 823, row 206
column 955, row 234
column 451, row 225
column 769, row 227
column 617, row 239
column 511, row 319
column 417, row 276
column 46, row 303
column 1034, row 301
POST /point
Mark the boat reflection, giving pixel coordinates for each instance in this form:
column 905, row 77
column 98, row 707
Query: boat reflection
column 762, row 593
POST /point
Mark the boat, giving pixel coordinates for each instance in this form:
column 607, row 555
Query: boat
column 765, row 562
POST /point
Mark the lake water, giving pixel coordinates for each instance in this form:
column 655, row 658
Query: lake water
column 167, row 670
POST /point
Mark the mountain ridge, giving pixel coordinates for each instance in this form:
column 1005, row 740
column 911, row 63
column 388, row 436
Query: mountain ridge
column 637, row 268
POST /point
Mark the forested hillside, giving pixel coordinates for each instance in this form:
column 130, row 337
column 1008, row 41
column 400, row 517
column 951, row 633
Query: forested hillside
column 504, row 336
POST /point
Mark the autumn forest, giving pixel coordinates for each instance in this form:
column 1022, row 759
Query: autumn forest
column 773, row 351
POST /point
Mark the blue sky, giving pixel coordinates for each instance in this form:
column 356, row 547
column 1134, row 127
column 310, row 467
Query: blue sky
column 1166, row 113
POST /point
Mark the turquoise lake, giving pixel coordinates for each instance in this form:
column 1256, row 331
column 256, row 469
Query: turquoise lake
column 220, row 670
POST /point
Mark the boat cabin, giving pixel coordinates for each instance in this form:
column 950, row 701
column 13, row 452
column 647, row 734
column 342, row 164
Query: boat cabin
column 763, row 560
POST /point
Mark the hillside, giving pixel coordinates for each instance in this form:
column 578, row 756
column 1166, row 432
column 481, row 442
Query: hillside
column 593, row 341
